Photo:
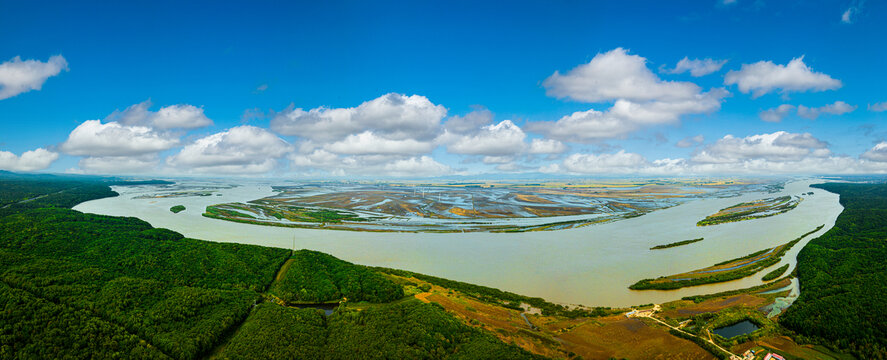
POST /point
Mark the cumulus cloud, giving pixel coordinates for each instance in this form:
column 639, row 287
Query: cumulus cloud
column 876, row 153
column 546, row 146
column 625, row 117
column 238, row 150
column 391, row 116
column 17, row 76
column 878, row 107
column 777, row 146
column 620, row 162
column 640, row 98
column 93, row 138
column 369, row 143
column 181, row 116
column 776, row 114
column 616, row 75
column 775, row 153
column 696, row 67
column 119, row 164
column 32, row 160
column 838, row 108
column 504, row 138
column 370, row 165
column 416, row 167
column 690, row 141
column 764, row 77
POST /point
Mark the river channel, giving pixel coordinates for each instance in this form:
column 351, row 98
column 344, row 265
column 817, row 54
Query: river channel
column 592, row 265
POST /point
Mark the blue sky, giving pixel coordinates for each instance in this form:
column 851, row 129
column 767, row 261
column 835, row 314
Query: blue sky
column 438, row 81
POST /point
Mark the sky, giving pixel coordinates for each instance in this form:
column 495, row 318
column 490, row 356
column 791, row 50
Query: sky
column 424, row 89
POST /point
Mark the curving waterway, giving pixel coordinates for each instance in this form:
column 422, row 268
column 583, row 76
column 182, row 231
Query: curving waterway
column 593, row 265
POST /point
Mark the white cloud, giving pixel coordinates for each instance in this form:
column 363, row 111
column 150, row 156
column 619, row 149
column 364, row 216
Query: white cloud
column 690, row 141
column 181, row 116
column 239, row 150
column 640, row 98
column 616, row 75
column 32, row 160
column 391, row 116
column 17, row 76
column 763, row 77
column 504, row 138
column 838, row 108
column 776, row 114
column 625, row 117
column 878, row 107
column 696, row 67
column 92, row 138
column 119, row 164
column 470, row 122
column 546, row 146
column 369, row 165
column 369, row 143
column 763, row 154
column 849, row 16
column 423, row 166
column 620, row 162
column 876, row 153
column 777, row 146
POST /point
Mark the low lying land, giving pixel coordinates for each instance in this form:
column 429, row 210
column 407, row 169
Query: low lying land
column 724, row 271
column 463, row 207
column 177, row 209
column 676, row 243
column 752, row 210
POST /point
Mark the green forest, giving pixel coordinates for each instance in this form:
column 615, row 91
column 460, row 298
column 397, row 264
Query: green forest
column 843, row 276
column 315, row 277
column 76, row 285
column 401, row 330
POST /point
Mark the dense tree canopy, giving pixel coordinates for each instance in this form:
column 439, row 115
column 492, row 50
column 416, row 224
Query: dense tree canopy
column 400, row 330
column 843, row 276
column 314, row 277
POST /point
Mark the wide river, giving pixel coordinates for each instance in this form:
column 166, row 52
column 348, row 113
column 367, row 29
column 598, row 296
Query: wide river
column 593, row 265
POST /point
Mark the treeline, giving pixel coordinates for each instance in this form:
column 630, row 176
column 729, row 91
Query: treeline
column 315, row 277
column 402, row 330
column 179, row 295
column 676, row 243
column 843, row 276
column 504, row 298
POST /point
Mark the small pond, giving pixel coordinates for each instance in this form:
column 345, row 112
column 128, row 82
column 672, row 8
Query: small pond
column 740, row 328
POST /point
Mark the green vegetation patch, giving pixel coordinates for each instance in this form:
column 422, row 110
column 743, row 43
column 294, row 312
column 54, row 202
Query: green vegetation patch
column 177, row 209
column 723, row 271
column 677, row 243
column 775, row 273
column 752, row 210
column 315, row 277
column 402, row 330
column 843, row 275
column 178, row 295
column 276, row 332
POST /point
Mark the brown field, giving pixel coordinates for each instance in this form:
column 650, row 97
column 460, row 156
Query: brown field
column 686, row 308
column 620, row 337
column 533, row 199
